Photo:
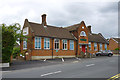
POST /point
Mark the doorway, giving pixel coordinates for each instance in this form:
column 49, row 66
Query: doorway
column 83, row 48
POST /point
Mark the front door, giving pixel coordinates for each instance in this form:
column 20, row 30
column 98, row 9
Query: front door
column 83, row 48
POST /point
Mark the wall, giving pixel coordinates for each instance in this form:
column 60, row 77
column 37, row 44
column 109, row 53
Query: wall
column 112, row 44
column 47, row 53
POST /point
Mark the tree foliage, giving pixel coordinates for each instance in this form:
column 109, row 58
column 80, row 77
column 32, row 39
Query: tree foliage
column 10, row 34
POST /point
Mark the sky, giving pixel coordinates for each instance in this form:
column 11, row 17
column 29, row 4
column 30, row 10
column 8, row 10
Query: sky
column 102, row 15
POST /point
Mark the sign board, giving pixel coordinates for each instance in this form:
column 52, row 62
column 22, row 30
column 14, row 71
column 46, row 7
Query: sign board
column 83, row 39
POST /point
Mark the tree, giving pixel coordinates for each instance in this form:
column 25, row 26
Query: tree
column 10, row 34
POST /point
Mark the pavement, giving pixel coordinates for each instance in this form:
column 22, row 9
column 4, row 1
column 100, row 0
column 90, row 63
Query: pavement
column 99, row 67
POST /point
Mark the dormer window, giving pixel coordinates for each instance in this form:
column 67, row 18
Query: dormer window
column 25, row 31
column 82, row 33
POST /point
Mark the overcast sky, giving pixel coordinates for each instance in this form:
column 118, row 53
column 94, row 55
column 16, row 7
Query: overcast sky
column 102, row 16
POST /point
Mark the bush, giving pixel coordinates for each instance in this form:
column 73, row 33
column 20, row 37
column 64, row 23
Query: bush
column 117, row 49
column 81, row 55
column 16, row 51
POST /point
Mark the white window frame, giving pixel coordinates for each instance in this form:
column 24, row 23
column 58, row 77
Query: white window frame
column 82, row 33
column 89, row 45
column 37, row 44
column 25, row 43
column 57, row 42
column 47, row 44
column 26, row 31
column 72, row 42
column 95, row 49
column 101, row 46
column 64, row 44
column 106, row 46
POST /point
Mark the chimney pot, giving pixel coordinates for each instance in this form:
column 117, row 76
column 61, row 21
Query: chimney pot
column 89, row 29
column 44, row 19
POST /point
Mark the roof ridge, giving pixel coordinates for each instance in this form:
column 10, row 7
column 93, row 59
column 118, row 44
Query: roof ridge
column 54, row 26
column 35, row 23
column 115, row 40
column 73, row 25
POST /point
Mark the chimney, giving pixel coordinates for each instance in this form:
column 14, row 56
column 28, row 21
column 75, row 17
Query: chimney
column 89, row 29
column 44, row 19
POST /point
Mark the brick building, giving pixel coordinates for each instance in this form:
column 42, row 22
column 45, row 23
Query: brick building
column 46, row 41
column 114, row 43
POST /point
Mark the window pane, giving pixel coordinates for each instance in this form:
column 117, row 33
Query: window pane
column 63, row 45
column 71, row 45
column 46, row 43
column 38, row 42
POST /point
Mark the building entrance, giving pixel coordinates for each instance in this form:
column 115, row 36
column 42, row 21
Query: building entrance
column 83, row 48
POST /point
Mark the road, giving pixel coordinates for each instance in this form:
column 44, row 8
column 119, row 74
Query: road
column 100, row 67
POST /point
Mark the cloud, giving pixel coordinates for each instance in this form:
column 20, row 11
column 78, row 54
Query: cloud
column 102, row 16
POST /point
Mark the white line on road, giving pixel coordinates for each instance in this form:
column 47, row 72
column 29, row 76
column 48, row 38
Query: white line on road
column 51, row 73
column 5, row 71
column 90, row 65
column 75, row 61
column 63, row 60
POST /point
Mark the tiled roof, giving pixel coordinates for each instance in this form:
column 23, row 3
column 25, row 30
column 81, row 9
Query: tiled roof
column 50, row 31
column 117, row 39
column 96, row 38
column 91, row 37
column 73, row 27
column 63, row 33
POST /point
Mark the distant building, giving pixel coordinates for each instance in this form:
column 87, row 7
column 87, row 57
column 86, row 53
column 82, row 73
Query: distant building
column 114, row 43
column 48, row 41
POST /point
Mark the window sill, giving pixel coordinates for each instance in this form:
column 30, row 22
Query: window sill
column 72, row 49
column 46, row 49
column 24, row 48
column 64, row 49
column 37, row 48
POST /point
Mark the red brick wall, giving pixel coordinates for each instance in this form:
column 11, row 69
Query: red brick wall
column 48, row 52
column 113, row 44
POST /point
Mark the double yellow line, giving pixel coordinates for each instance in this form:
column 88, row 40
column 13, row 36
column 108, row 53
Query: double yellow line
column 114, row 77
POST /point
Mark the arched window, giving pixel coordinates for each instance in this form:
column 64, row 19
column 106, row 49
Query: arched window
column 82, row 33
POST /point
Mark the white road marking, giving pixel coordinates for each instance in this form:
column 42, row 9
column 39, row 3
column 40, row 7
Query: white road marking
column 75, row 61
column 45, row 60
column 93, row 58
column 78, row 58
column 50, row 73
column 63, row 60
column 6, row 71
column 90, row 65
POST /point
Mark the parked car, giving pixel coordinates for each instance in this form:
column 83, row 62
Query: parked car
column 105, row 53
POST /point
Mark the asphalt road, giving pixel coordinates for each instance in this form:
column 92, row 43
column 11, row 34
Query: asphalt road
column 100, row 67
